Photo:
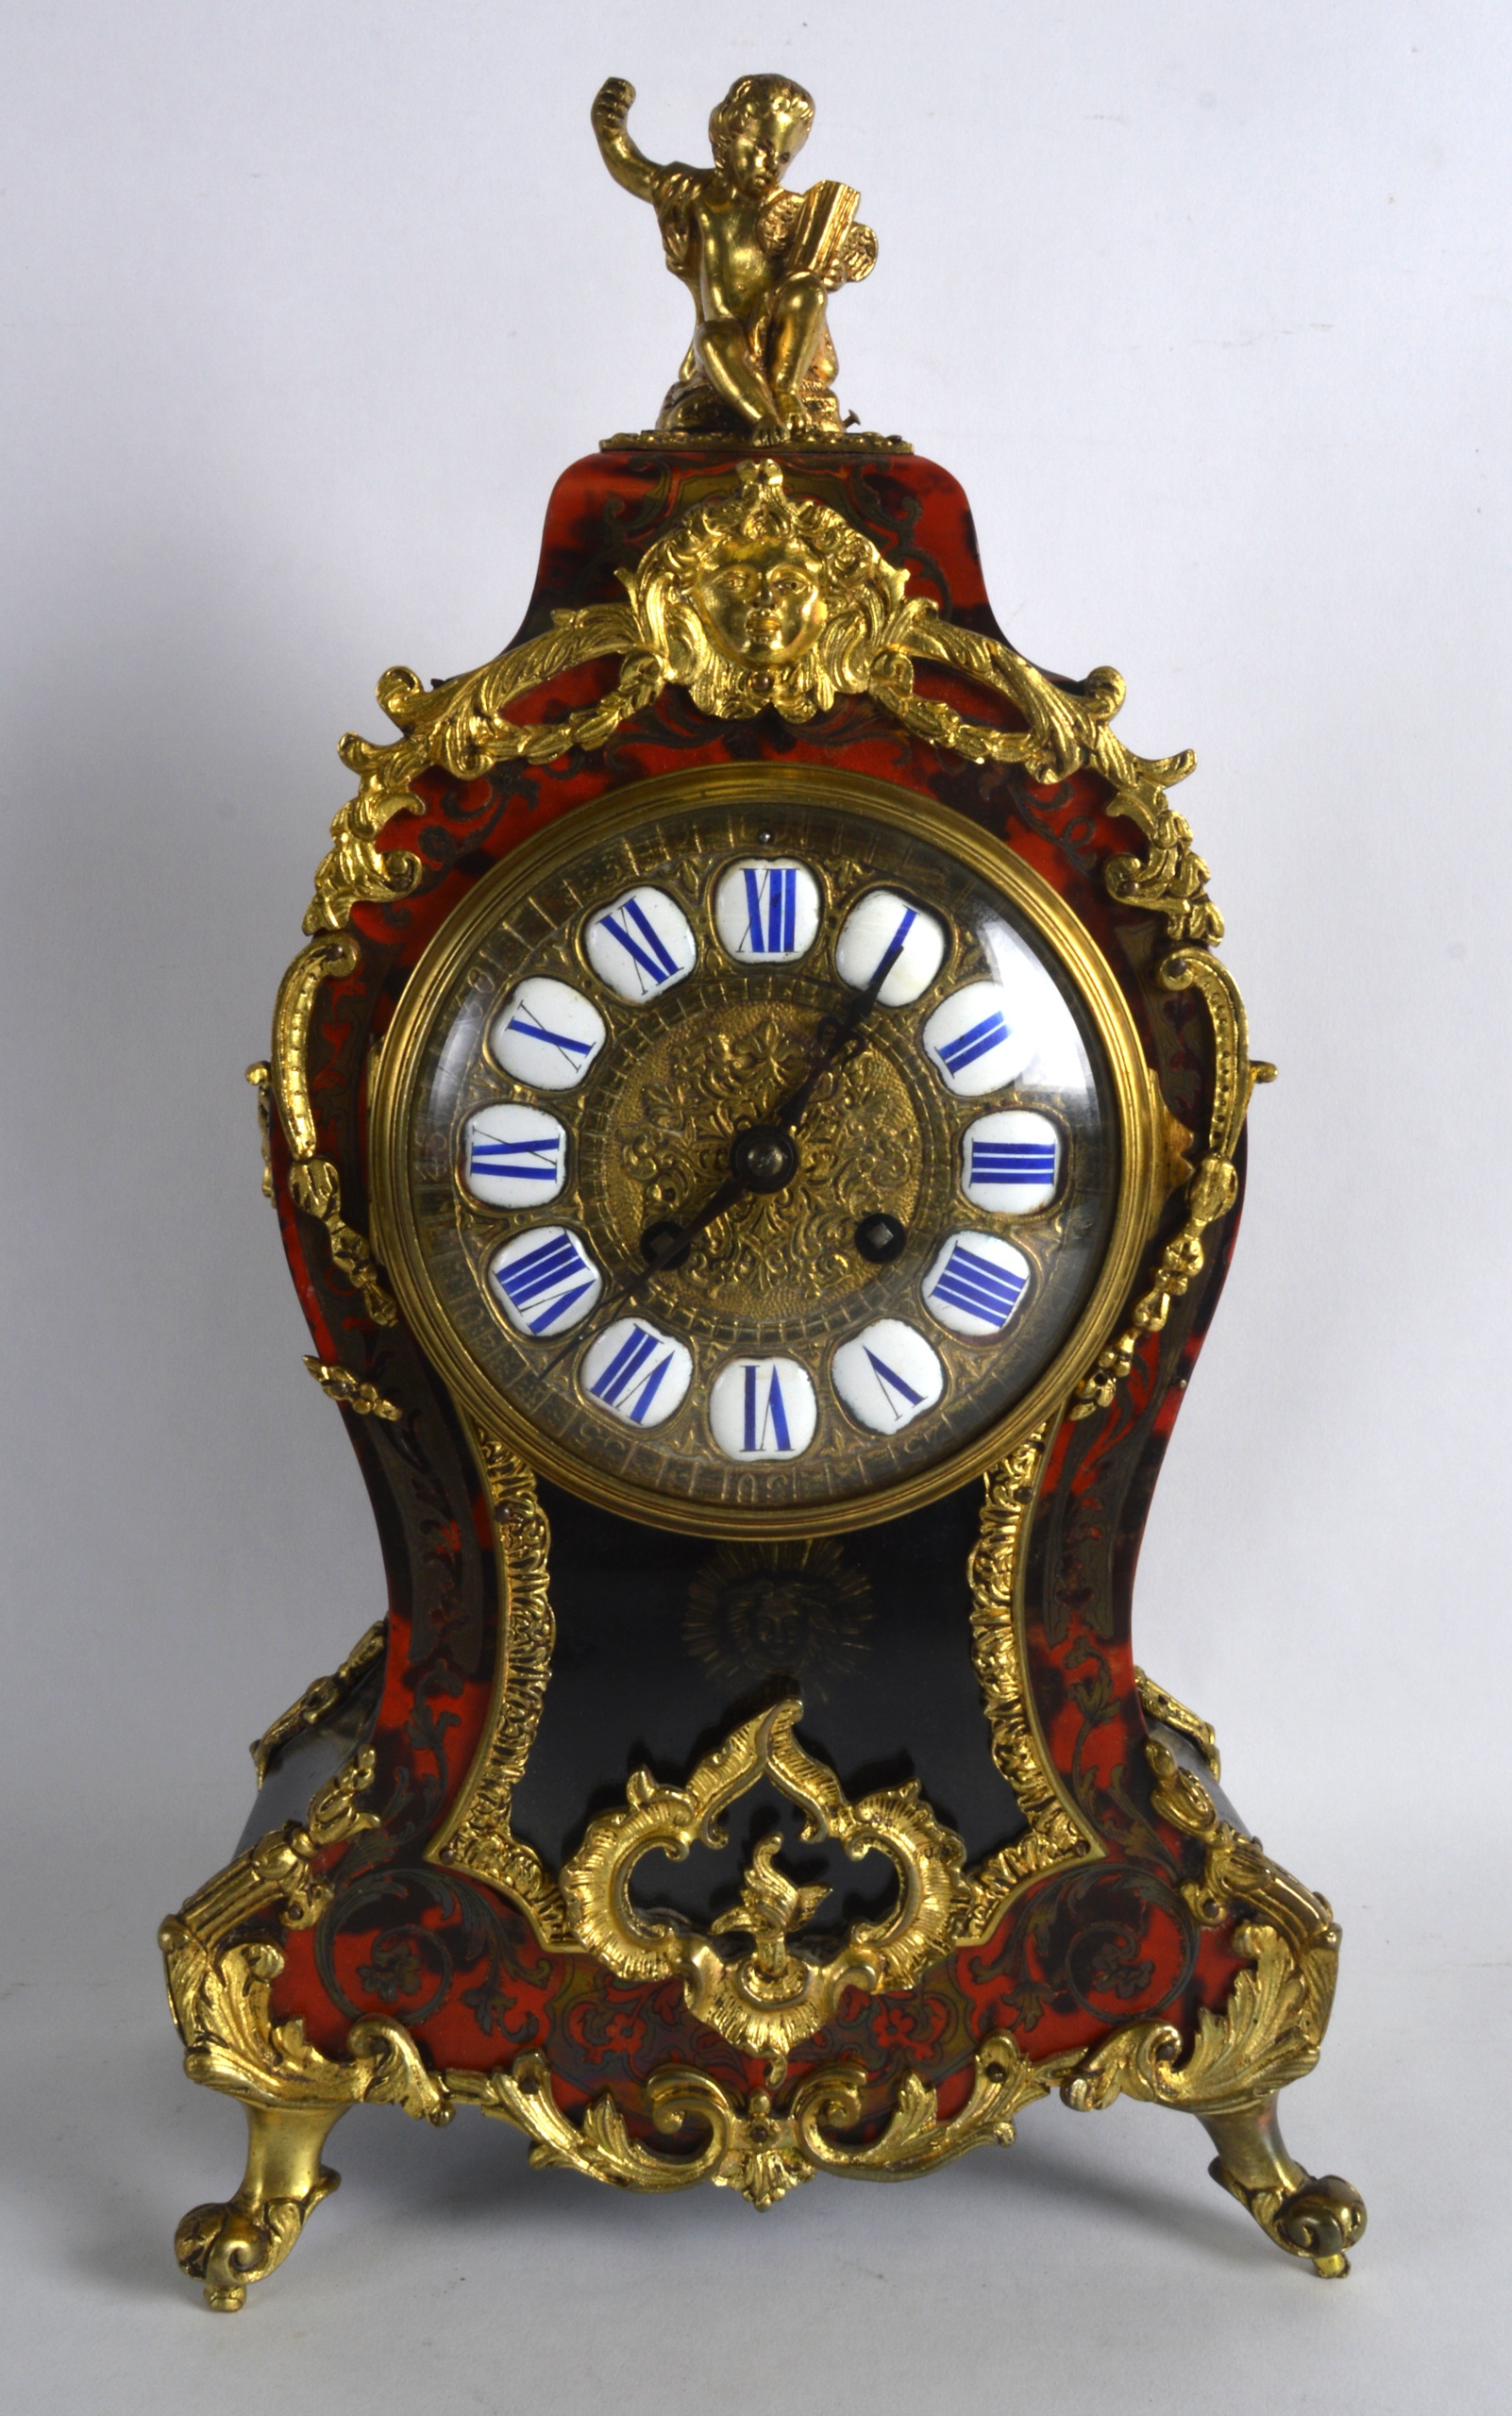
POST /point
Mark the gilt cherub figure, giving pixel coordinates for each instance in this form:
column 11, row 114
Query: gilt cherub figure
column 760, row 262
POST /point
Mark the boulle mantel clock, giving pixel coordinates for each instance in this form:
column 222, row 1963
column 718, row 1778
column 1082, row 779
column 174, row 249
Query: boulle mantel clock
column 757, row 1129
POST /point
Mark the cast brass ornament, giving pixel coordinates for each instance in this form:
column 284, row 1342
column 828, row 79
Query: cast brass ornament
column 322, row 1697
column 1157, row 1705
column 840, row 622
column 219, row 1992
column 775, row 1994
column 219, row 2004
column 1269, row 2033
column 327, row 958
column 1057, row 1834
column 261, row 1078
column 1214, row 1185
column 339, row 1384
column 762, row 2152
column 314, row 1180
column 478, row 1837
column 759, row 262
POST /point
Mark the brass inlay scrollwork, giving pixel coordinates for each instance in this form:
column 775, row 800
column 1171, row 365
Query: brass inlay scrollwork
column 861, row 633
column 775, row 1995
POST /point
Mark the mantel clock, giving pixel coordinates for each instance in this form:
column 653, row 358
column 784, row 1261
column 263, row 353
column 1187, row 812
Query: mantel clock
column 757, row 1129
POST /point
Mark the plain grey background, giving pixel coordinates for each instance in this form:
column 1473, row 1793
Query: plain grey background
column 306, row 304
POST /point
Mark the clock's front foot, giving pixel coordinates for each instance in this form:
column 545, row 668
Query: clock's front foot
column 1319, row 2216
column 229, row 2246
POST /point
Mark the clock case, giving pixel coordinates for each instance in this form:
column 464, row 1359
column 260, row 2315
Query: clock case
column 423, row 1912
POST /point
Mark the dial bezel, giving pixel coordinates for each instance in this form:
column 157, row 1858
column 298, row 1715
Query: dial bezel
column 396, row 1232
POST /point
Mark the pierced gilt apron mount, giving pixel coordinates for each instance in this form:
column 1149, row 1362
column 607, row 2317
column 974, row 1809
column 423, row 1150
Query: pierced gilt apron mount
column 767, row 1997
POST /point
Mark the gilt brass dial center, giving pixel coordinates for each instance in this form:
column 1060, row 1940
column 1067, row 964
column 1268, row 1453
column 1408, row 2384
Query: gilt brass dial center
column 764, row 1157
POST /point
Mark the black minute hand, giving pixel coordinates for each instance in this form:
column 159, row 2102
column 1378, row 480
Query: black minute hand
column 841, row 1035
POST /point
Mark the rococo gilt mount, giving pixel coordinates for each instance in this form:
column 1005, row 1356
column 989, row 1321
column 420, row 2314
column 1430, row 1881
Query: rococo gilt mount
column 757, row 1129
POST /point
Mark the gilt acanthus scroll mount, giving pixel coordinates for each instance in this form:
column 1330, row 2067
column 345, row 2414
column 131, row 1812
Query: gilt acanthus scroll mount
column 754, row 598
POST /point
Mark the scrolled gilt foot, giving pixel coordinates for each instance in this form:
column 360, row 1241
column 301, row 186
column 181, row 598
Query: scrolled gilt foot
column 228, row 2246
column 1318, row 2216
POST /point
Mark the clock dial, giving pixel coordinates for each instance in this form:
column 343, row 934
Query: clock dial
column 841, row 1131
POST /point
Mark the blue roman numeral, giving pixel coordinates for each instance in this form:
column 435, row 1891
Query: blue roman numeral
column 892, row 1382
column 968, row 1046
column 1012, row 1161
column 967, row 1281
column 555, row 1274
column 628, row 1384
column 527, row 1160
column 774, row 1418
column 771, row 907
column 563, row 1040
column 653, row 957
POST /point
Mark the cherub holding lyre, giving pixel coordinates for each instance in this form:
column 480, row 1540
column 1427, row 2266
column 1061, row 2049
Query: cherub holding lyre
column 760, row 263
